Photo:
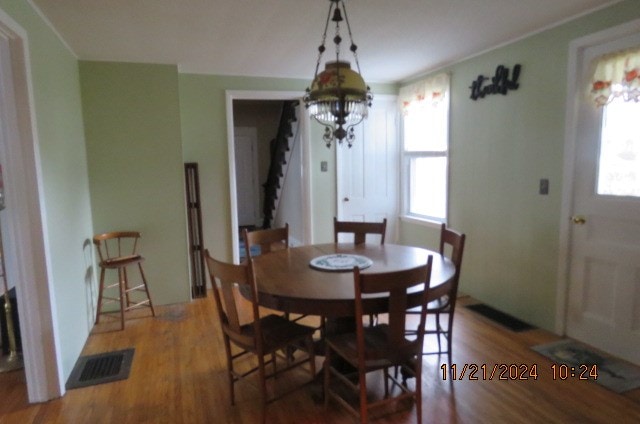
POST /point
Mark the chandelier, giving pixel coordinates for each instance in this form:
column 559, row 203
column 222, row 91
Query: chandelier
column 338, row 97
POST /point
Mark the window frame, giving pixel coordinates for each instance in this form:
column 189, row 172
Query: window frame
column 407, row 155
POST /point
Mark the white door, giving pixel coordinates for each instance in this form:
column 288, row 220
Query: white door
column 603, row 307
column 247, row 184
column 368, row 172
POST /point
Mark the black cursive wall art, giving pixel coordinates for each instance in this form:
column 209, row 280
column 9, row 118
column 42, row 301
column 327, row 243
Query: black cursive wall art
column 500, row 83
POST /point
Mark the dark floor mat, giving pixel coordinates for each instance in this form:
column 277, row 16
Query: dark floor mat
column 101, row 368
column 586, row 362
column 506, row 320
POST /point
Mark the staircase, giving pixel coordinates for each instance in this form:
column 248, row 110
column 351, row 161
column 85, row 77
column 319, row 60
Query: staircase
column 280, row 146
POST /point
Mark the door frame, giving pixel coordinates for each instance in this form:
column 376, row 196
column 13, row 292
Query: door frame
column 26, row 222
column 576, row 51
column 305, row 136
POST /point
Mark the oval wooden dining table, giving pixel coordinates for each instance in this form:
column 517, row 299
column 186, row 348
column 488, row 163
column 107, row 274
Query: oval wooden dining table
column 287, row 282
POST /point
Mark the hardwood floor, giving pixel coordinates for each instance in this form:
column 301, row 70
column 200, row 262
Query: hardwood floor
column 178, row 376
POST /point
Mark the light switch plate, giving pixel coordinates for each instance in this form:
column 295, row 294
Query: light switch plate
column 544, row 186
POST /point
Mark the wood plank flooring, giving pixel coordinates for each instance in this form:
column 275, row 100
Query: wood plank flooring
column 178, row 376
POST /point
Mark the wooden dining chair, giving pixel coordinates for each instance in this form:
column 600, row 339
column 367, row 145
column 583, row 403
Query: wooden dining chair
column 262, row 336
column 381, row 347
column 451, row 245
column 266, row 240
column 270, row 240
column 359, row 229
column 117, row 251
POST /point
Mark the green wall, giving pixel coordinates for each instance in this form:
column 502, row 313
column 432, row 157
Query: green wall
column 204, row 137
column 501, row 146
column 132, row 127
column 65, row 189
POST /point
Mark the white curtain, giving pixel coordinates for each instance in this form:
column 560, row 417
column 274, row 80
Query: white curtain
column 428, row 91
column 616, row 75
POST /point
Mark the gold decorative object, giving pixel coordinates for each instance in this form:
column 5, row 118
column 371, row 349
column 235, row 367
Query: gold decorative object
column 13, row 361
column 338, row 97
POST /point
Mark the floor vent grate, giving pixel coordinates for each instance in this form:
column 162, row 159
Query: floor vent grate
column 101, row 368
column 512, row 323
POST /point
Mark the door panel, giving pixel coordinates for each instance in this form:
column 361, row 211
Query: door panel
column 247, row 185
column 603, row 307
column 368, row 172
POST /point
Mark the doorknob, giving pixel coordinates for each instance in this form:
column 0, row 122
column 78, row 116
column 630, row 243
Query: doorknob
column 346, row 199
column 578, row 219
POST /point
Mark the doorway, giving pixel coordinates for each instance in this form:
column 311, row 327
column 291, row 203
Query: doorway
column 25, row 237
column 256, row 97
column 599, row 285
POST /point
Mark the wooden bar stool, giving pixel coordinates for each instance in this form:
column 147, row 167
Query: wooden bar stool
column 117, row 251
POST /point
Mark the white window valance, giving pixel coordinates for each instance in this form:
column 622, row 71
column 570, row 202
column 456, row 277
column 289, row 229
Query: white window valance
column 616, row 75
column 431, row 91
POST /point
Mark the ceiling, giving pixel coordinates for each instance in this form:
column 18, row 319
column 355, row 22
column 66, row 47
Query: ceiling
column 279, row 38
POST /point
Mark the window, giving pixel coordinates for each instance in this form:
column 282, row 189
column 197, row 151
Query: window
column 425, row 153
column 615, row 87
column 619, row 161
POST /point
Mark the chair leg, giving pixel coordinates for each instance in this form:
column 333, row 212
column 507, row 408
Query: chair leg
column 438, row 331
column 386, row 382
column 322, row 327
column 230, row 370
column 232, row 387
column 100, row 290
column 327, row 375
column 146, row 289
column 122, row 282
column 289, row 353
column 275, row 365
column 450, row 337
column 263, row 389
column 126, row 287
column 312, row 356
column 418, row 390
column 362, row 382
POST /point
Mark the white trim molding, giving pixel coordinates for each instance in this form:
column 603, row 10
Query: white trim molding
column 576, row 51
column 26, row 217
column 232, row 95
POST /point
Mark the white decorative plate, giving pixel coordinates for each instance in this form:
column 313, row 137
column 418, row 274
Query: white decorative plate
column 340, row 262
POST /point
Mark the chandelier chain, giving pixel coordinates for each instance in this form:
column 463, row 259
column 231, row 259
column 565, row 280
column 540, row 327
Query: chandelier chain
column 353, row 45
column 336, row 38
column 324, row 39
column 338, row 97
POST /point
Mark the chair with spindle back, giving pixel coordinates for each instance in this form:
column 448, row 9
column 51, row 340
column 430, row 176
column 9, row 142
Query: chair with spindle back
column 117, row 251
